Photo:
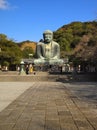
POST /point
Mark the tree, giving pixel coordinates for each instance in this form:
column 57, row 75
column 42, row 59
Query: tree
column 78, row 39
column 10, row 52
column 27, row 51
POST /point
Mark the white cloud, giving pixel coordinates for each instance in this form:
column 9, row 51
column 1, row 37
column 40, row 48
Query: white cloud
column 4, row 4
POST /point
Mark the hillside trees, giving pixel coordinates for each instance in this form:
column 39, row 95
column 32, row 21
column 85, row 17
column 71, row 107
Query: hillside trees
column 27, row 51
column 10, row 52
column 78, row 40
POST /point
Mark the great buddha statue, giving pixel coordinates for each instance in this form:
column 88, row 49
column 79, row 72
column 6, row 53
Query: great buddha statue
column 47, row 50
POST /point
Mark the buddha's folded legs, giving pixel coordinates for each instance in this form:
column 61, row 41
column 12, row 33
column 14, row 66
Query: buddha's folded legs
column 50, row 62
column 56, row 61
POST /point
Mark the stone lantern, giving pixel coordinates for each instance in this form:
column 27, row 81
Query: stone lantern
column 22, row 71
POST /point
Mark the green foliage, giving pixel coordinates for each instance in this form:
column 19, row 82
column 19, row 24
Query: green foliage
column 10, row 52
column 64, row 38
column 3, row 38
column 75, row 41
column 5, row 63
column 27, row 51
column 75, row 37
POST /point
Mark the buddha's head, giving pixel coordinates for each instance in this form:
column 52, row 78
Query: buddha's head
column 48, row 36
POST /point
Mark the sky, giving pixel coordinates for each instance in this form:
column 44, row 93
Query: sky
column 23, row 20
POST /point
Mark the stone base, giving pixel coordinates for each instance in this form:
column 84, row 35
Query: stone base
column 48, row 62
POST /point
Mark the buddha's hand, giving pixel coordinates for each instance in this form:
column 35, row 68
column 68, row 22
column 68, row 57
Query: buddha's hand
column 54, row 58
column 43, row 58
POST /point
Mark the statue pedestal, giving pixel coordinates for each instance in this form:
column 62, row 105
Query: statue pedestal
column 48, row 62
column 48, row 65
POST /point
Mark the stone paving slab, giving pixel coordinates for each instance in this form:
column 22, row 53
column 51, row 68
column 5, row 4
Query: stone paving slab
column 49, row 106
column 9, row 91
column 85, row 90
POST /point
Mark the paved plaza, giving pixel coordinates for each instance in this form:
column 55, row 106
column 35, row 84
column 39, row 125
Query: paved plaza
column 48, row 106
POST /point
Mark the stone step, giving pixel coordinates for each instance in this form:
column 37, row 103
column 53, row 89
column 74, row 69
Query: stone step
column 45, row 76
column 50, row 78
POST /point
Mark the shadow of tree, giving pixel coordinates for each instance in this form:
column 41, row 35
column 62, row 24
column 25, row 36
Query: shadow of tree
column 71, row 77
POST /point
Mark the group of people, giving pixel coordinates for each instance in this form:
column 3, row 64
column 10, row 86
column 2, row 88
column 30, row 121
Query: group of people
column 29, row 69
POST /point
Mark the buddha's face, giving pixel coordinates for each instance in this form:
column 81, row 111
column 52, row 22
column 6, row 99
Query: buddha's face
column 48, row 38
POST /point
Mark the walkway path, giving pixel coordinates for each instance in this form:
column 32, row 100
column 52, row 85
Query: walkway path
column 49, row 106
column 9, row 91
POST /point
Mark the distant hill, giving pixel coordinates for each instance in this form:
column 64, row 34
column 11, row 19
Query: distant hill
column 78, row 41
column 26, row 44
